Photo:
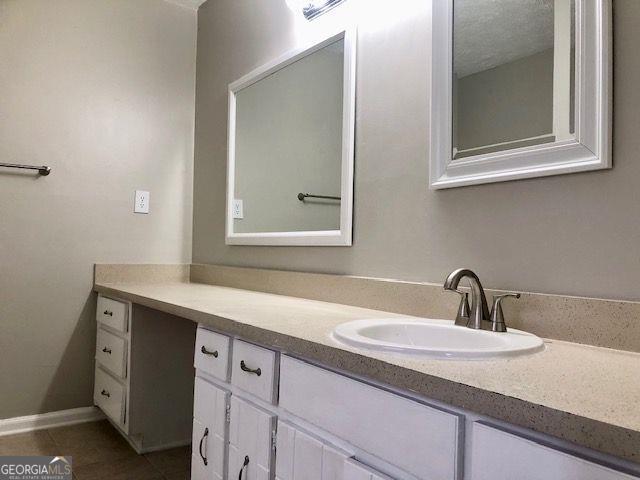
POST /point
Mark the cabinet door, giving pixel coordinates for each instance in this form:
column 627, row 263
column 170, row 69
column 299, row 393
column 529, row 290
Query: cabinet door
column 354, row 470
column 303, row 457
column 250, row 441
column 498, row 455
column 209, row 442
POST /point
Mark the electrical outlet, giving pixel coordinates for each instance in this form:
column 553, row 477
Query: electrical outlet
column 141, row 204
column 237, row 209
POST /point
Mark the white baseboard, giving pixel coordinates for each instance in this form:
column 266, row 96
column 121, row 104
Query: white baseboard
column 41, row 421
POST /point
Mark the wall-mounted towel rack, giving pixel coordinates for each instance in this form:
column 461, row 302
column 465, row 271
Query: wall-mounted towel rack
column 42, row 170
column 302, row 196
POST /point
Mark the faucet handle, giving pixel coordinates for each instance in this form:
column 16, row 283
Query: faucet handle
column 497, row 315
column 462, row 317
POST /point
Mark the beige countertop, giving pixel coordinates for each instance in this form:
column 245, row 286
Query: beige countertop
column 586, row 395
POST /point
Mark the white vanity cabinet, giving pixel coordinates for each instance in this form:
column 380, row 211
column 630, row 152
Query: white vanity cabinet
column 260, row 415
column 231, row 427
column 144, row 374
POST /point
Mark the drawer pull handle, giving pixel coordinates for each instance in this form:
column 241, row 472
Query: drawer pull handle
column 106, row 350
column 244, row 465
column 108, row 313
column 105, row 393
column 244, row 368
column 206, row 434
column 214, row 354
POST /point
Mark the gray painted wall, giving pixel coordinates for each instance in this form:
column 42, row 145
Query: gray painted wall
column 103, row 92
column 573, row 234
column 510, row 102
column 289, row 140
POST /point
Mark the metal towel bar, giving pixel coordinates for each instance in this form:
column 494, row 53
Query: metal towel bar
column 302, row 196
column 42, row 170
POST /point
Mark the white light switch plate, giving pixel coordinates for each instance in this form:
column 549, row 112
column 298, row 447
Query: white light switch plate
column 141, row 204
column 237, row 209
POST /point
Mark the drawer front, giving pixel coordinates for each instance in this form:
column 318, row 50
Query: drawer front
column 498, row 455
column 300, row 456
column 250, row 433
column 254, row 370
column 212, row 354
column 111, row 353
column 416, row 438
column 109, row 395
column 112, row 313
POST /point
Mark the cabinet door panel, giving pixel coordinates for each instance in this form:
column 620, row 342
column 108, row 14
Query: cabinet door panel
column 250, row 434
column 498, row 455
column 356, row 471
column 209, row 432
column 301, row 456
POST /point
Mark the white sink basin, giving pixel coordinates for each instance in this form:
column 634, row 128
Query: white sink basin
column 436, row 338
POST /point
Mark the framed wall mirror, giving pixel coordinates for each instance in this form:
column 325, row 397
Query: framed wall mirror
column 291, row 148
column 520, row 89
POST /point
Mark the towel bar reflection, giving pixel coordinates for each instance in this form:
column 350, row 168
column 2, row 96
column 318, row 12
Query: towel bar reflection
column 43, row 170
column 302, row 196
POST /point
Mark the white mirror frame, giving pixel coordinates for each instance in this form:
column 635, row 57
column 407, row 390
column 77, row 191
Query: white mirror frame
column 589, row 150
column 342, row 237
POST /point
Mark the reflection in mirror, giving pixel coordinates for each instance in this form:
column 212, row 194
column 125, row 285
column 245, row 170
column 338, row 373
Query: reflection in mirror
column 513, row 74
column 289, row 142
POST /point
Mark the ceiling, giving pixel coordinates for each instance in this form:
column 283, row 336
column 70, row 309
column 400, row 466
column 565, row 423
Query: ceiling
column 488, row 33
column 192, row 4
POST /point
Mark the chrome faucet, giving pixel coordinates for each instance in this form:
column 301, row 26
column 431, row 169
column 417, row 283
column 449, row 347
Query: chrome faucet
column 476, row 317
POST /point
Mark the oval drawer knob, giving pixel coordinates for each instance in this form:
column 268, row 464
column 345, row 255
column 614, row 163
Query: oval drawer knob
column 204, row 350
column 244, row 368
column 105, row 393
column 108, row 313
column 106, row 350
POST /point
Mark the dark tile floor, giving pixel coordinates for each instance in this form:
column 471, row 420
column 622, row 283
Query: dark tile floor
column 99, row 453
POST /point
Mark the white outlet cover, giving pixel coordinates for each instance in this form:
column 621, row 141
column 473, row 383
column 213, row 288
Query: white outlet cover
column 238, row 211
column 141, row 203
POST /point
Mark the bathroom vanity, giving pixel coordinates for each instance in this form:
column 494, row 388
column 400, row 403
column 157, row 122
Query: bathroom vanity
column 276, row 397
column 144, row 373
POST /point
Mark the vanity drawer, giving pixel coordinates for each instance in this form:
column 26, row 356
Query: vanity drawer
column 111, row 353
column 112, row 313
column 254, row 370
column 109, row 395
column 212, row 353
column 410, row 435
column 499, row 455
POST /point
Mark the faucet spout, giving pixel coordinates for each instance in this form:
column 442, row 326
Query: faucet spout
column 479, row 317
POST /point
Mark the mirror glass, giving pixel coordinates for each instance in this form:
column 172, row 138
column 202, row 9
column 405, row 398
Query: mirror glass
column 289, row 146
column 513, row 74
